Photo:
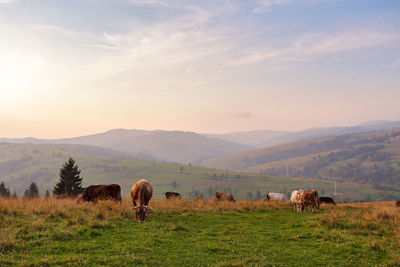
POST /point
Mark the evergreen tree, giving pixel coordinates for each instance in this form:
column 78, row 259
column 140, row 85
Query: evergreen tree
column 4, row 192
column 70, row 183
column 32, row 191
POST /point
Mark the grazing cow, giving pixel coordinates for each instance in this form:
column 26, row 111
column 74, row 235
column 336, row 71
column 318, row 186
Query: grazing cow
column 326, row 200
column 93, row 193
column 295, row 199
column 398, row 204
column 169, row 195
column 276, row 197
column 221, row 196
column 141, row 193
column 309, row 199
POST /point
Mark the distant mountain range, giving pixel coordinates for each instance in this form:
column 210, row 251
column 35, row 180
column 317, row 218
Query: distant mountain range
column 267, row 138
column 190, row 147
column 171, row 146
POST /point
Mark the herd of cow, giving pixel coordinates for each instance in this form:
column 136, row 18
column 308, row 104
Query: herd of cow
column 142, row 192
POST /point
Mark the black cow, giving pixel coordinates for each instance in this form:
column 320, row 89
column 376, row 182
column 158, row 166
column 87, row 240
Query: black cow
column 327, row 200
column 398, row 203
column 169, row 195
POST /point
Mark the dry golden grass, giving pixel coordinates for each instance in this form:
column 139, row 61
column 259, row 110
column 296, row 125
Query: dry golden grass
column 63, row 208
column 369, row 204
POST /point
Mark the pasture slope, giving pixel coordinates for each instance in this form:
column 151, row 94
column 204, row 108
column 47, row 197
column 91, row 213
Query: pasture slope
column 47, row 232
column 363, row 157
column 21, row 164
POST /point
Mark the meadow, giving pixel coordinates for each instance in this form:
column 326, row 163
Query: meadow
column 62, row 232
column 21, row 164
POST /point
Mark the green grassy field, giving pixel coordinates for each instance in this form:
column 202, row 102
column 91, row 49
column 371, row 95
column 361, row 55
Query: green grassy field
column 195, row 233
column 43, row 162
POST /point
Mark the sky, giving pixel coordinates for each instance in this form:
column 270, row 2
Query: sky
column 77, row 67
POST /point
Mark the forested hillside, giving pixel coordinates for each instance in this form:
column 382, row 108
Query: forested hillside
column 369, row 157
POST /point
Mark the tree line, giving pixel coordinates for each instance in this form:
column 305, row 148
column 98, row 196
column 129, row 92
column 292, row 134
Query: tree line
column 68, row 185
column 368, row 164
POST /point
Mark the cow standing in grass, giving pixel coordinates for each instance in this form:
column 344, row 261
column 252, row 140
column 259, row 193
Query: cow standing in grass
column 141, row 193
column 221, row 196
column 398, row 204
column 295, row 199
column 93, row 193
column 276, row 197
column 310, row 200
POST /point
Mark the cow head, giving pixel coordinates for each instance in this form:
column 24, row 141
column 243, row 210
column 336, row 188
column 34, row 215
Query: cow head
column 85, row 197
column 79, row 198
column 141, row 211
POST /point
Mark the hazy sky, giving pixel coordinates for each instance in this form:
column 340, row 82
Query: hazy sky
column 77, row 67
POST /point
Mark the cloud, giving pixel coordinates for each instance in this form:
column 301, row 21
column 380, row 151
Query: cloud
column 310, row 47
column 79, row 38
column 150, row 2
column 7, row 2
column 264, row 6
column 244, row 114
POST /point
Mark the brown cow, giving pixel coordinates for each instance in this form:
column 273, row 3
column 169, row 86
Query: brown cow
column 310, row 200
column 221, row 196
column 169, row 195
column 93, row 193
column 398, row 203
column 141, row 193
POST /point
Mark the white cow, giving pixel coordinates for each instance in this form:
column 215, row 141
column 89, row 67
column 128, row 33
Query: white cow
column 276, row 196
column 295, row 199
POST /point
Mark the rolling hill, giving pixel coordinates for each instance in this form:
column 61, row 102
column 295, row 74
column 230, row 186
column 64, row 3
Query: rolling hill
column 171, row 146
column 368, row 157
column 190, row 147
column 21, row 164
column 256, row 139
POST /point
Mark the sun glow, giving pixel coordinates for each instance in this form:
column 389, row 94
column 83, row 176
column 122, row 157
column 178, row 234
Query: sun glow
column 17, row 74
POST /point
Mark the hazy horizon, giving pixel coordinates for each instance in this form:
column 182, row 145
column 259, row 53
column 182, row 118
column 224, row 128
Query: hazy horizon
column 201, row 133
column 83, row 67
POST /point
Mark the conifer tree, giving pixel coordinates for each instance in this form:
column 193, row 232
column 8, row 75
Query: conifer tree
column 32, row 191
column 4, row 192
column 70, row 183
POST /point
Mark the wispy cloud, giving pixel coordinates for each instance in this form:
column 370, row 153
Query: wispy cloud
column 7, row 2
column 150, row 2
column 311, row 46
column 265, row 6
